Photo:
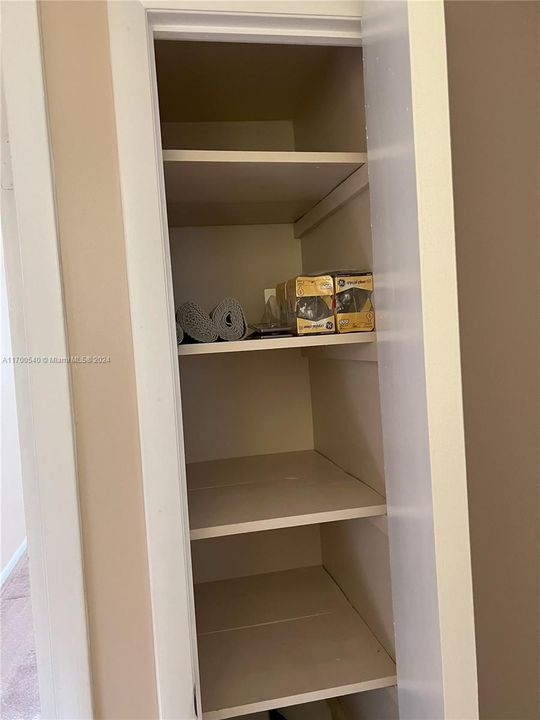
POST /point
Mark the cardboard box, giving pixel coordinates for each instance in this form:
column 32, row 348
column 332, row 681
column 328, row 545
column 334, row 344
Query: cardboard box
column 353, row 302
column 310, row 304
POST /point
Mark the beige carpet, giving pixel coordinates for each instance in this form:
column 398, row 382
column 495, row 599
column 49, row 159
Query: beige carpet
column 18, row 672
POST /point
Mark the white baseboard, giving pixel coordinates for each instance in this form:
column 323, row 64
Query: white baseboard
column 10, row 565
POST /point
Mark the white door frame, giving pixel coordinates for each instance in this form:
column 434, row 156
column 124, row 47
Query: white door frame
column 434, row 634
column 43, row 392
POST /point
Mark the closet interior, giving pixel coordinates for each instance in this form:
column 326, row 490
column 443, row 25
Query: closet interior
column 265, row 167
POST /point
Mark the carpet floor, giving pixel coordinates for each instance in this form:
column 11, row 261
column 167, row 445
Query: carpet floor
column 18, row 670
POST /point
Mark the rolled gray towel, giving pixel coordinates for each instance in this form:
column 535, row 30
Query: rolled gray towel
column 196, row 323
column 179, row 334
column 229, row 319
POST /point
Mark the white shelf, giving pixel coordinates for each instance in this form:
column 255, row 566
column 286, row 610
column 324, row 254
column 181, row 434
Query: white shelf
column 224, row 187
column 268, row 641
column 265, row 492
column 282, row 343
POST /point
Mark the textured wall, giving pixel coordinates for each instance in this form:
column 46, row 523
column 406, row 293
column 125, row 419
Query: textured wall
column 494, row 78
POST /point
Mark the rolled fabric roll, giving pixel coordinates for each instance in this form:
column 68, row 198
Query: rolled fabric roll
column 196, row 322
column 230, row 320
column 179, row 334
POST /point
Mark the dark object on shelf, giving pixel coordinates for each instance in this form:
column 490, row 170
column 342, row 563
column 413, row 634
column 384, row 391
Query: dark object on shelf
column 268, row 330
column 352, row 300
column 312, row 308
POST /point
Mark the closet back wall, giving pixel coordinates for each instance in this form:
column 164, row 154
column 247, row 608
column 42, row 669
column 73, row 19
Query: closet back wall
column 80, row 104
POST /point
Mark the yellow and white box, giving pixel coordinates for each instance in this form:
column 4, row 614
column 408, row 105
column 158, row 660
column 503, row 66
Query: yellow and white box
column 353, row 302
column 310, row 305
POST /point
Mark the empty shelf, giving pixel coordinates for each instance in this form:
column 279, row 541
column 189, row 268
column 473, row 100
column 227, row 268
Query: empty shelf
column 280, row 343
column 268, row 641
column 265, row 492
column 223, row 187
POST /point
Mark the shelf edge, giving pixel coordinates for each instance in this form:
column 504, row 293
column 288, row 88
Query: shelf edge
column 263, row 705
column 249, row 526
column 287, row 343
column 263, row 156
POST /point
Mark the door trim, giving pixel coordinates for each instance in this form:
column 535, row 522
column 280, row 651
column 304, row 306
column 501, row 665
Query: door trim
column 255, row 27
column 43, row 388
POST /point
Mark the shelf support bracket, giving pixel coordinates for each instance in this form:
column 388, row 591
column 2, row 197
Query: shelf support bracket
column 345, row 191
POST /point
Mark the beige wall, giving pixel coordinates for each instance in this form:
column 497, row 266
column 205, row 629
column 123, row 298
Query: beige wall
column 494, row 77
column 79, row 93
